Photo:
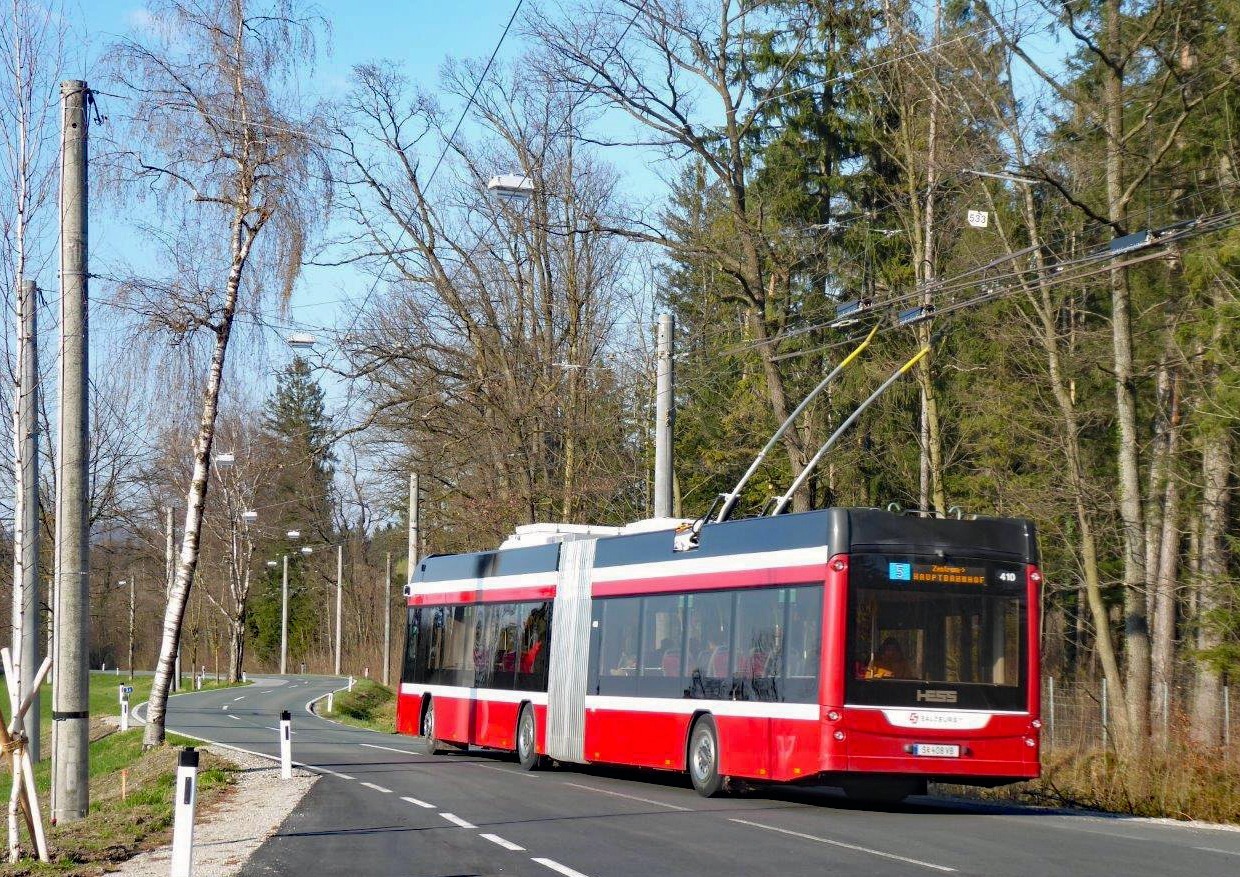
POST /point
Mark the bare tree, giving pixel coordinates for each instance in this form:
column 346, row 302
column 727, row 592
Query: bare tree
column 477, row 365
column 213, row 123
column 683, row 72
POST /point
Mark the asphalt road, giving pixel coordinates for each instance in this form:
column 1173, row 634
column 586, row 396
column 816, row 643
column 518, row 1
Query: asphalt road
column 380, row 809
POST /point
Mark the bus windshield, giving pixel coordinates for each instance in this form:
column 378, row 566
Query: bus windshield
column 936, row 633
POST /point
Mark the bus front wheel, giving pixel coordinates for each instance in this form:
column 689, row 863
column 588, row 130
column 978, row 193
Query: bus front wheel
column 704, row 758
column 527, row 739
column 429, row 745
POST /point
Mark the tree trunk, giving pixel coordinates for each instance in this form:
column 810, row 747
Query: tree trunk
column 1165, row 602
column 1128, row 471
column 1216, row 463
column 242, row 240
column 236, row 649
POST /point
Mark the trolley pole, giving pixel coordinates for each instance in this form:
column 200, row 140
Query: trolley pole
column 664, row 419
column 387, row 621
column 70, row 704
column 284, row 619
column 339, row 596
column 26, row 514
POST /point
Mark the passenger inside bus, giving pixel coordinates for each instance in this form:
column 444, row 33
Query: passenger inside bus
column 889, row 663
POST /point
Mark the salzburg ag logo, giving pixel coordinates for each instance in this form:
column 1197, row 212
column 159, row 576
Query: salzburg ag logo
column 936, row 695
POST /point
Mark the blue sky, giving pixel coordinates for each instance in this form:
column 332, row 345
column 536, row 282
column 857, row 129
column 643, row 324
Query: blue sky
column 420, row 35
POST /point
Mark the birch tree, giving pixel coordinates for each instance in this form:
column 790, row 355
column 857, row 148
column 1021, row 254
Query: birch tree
column 214, row 124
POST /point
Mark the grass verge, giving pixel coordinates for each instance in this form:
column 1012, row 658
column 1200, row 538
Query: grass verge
column 1183, row 783
column 119, row 828
column 369, row 705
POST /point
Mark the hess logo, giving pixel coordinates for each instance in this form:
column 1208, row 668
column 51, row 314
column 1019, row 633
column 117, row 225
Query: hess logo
column 936, row 695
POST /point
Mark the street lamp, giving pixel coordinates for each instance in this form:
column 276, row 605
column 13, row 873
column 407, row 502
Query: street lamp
column 301, row 341
column 249, row 517
column 228, row 458
column 273, row 563
column 294, row 534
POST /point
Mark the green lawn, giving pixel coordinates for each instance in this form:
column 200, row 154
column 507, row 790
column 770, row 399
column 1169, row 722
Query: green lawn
column 369, row 705
column 104, row 701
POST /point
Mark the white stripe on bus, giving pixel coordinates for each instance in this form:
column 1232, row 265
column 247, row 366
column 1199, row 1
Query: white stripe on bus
column 691, row 565
column 757, row 709
column 462, row 692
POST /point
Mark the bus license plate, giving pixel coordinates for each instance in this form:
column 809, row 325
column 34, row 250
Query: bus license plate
column 938, row 750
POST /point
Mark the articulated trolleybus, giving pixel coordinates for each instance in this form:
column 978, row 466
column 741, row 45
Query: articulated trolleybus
column 851, row 647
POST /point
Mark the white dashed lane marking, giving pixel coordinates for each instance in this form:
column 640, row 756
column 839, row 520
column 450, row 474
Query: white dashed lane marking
column 456, row 820
column 506, row 844
column 558, row 868
column 387, row 748
column 415, row 802
column 377, row 788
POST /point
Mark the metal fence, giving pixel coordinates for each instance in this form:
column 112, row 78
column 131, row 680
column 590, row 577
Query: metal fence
column 1074, row 716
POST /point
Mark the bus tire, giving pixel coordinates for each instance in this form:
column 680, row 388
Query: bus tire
column 426, row 731
column 703, row 760
column 527, row 739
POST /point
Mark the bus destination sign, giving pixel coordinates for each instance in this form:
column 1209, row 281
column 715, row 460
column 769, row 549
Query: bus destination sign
column 936, row 573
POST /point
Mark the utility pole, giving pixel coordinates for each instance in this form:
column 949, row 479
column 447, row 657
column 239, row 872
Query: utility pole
column 414, row 496
column 70, row 696
column 339, row 595
column 284, row 619
column 26, row 514
column 387, row 622
column 664, row 419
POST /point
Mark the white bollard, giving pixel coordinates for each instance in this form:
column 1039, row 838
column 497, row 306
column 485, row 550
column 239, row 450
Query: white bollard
column 122, row 693
column 243, row 679
column 350, row 683
column 286, row 745
column 183, row 822
column 117, row 670
column 198, row 683
column 331, row 702
column 366, row 672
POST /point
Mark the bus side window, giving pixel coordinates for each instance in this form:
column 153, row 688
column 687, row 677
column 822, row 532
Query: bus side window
column 802, row 644
column 759, row 616
column 621, row 634
column 534, row 621
column 410, row 669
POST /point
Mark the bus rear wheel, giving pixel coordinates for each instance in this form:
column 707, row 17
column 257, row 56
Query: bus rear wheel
column 704, row 758
column 527, row 739
column 429, row 745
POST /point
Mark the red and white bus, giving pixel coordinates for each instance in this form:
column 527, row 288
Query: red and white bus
column 851, row 647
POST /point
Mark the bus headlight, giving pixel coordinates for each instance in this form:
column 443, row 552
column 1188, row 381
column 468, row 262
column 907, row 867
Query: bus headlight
column 833, row 716
column 1036, row 724
column 838, row 735
column 1030, row 742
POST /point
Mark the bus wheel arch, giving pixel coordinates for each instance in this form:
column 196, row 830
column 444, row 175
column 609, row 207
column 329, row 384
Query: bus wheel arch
column 702, row 755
